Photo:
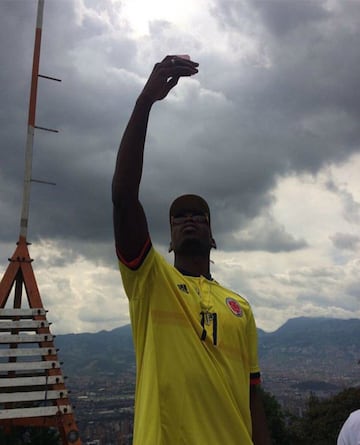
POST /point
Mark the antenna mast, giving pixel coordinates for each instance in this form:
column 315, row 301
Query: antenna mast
column 31, row 123
column 32, row 387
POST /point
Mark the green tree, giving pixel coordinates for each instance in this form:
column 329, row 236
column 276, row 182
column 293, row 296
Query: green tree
column 323, row 418
column 276, row 420
column 321, row 423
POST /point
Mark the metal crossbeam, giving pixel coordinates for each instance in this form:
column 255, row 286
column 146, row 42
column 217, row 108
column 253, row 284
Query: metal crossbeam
column 27, row 352
column 22, row 313
column 43, row 411
column 23, row 325
column 31, row 381
column 27, row 366
column 32, row 396
column 24, row 338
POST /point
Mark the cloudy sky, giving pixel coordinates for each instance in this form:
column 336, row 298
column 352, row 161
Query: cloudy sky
column 267, row 131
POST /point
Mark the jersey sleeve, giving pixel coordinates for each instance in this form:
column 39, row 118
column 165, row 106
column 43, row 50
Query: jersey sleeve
column 136, row 262
column 136, row 280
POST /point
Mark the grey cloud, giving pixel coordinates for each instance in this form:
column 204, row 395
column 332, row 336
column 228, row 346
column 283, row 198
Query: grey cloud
column 92, row 315
column 283, row 17
column 353, row 289
column 264, row 236
column 59, row 258
column 326, row 273
column 345, row 241
column 288, row 103
column 229, row 134
column 306, row 76
column 80, row 158
column 346, row 302
column 351, row 208
column 279, row 17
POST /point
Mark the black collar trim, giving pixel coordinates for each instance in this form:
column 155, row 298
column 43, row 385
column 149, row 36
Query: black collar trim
column 188, row 274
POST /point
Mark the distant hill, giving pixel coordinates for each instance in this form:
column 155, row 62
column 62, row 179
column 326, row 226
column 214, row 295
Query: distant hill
column 105, row 352
column 314, row 345
column 325, row 345
column 304, row 331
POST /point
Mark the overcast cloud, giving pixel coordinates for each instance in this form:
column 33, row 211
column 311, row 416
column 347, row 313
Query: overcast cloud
column 268, row 132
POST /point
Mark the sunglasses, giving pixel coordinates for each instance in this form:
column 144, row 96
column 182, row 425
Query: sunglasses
column 200, row 218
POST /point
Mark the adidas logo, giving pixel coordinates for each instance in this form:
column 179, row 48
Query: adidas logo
column 183, row 288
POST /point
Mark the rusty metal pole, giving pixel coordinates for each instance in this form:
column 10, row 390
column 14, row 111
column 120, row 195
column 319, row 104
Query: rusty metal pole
column 31, row 125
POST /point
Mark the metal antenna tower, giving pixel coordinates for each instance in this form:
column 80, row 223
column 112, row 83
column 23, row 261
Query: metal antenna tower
column 32, row 389
column 31, row 124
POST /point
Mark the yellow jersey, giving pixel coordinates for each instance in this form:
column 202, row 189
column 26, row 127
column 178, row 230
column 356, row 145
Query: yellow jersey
column 196, row 355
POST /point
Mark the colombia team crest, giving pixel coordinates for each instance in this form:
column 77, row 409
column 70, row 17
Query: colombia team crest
column 234, row 306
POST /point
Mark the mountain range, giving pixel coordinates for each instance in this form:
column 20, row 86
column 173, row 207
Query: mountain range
column 312, row 346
